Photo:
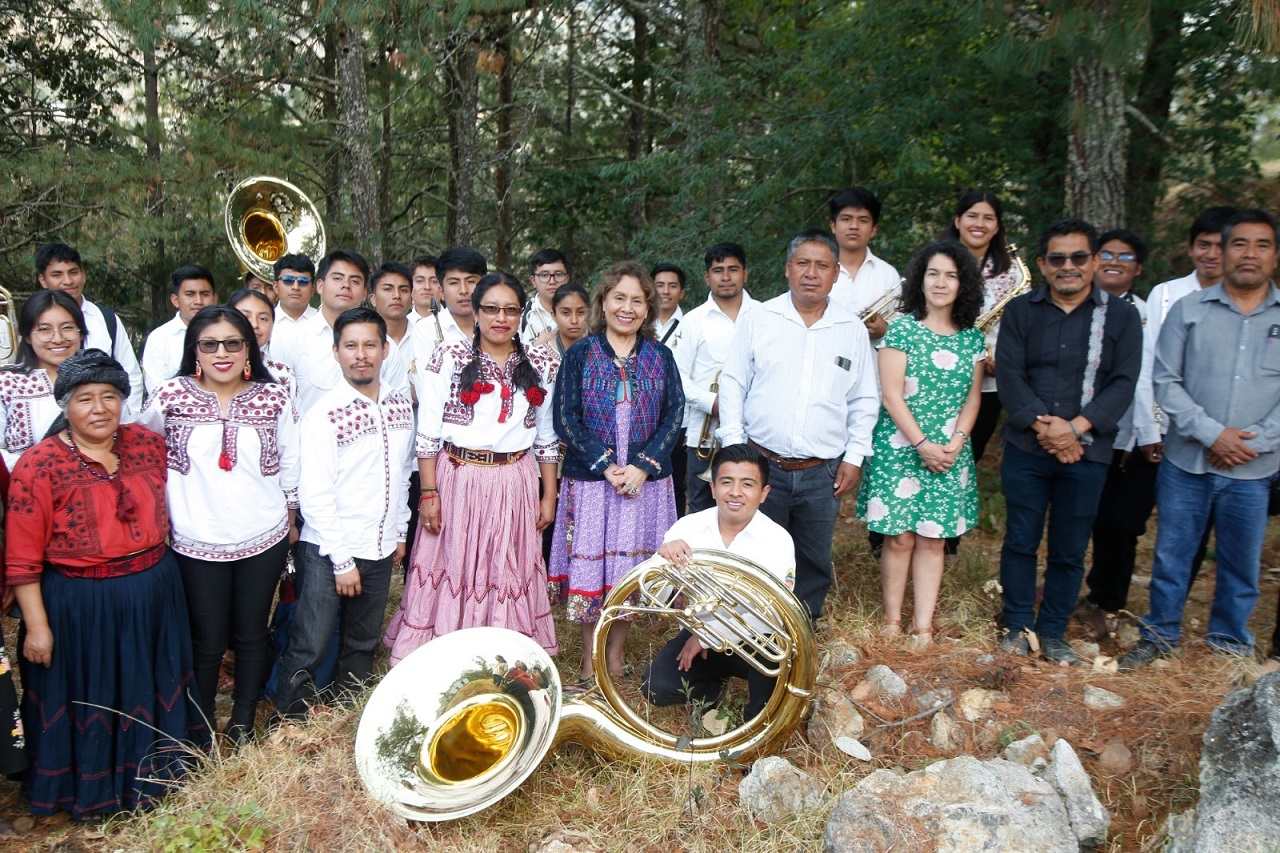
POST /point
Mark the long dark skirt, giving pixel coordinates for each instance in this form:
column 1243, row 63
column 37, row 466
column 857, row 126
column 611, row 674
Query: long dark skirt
column 114, row 722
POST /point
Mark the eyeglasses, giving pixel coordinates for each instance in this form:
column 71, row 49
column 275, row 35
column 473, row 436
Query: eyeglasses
column 44, row 334
column 209, row 347
column 1123, row 257
column 494, row 310
column 1078, row 259
column 290, row 280
column 545, row 277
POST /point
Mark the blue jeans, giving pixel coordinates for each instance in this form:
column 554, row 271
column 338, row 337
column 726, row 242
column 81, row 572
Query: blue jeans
column 1239, row 510
column 1035, row 486
column 320, row 610
column 804, row 504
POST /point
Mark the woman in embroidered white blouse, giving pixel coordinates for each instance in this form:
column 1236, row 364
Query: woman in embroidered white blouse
column 231, row 433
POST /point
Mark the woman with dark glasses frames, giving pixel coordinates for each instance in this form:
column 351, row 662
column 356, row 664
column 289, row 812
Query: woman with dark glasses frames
column 231, row 434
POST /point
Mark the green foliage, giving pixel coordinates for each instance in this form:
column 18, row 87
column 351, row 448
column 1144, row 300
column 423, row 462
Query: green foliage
column 211, row 828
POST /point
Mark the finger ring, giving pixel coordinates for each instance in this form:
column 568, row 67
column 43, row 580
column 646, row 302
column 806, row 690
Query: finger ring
column 633, row 490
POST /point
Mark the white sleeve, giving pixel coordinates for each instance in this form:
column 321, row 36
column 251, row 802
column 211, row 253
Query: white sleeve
column 10, row 458
column 863, row 400
column 546, row 444
column 434, row 380
column 735, row 380
column 317, row 488
column 1145, row 429
column 287, row 441
column 686, row 355
column 152, row 414
column 124, row 354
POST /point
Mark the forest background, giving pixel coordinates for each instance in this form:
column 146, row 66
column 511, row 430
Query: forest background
column 636, row 128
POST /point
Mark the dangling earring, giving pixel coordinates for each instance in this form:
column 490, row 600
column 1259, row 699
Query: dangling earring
column 199, row 372
column 248, row 371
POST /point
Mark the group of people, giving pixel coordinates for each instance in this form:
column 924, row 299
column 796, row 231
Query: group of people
column 517, row 453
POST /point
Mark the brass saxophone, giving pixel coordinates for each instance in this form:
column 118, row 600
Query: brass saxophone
column 992, row 316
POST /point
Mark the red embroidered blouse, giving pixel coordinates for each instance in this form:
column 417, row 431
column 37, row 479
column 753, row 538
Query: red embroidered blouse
column 62, row 514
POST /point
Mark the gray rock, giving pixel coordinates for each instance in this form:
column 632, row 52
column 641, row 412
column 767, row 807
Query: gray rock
column 840, row 654
column 1101, row 700
column 1116, row 758
column 1086, row 649
column 933, row 698
column 1239, row 776
column 1029, row 752
column 961, row 805
column 975, row 704
column 775, row 790
column 834, row 715
column 1089, row 819
column 945, row 733
column 886, row 682
column 563, row 841
column 984, row 659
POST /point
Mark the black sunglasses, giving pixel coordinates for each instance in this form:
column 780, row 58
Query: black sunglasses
column 1078, row 259
column 209, row 347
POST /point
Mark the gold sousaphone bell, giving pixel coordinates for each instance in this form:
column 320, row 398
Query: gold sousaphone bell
column 268, row 218
column 464, row 720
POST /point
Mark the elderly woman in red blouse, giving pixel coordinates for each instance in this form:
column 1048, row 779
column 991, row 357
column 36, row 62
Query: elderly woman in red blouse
column 108, row 698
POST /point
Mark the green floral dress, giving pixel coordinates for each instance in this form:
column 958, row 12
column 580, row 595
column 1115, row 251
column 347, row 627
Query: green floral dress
column 899, row 494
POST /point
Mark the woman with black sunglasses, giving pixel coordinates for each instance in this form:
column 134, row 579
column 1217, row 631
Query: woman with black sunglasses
column 231, row 437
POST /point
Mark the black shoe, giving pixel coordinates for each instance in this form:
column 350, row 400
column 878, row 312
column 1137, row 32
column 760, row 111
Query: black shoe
column 1142, row 654
column 1057, row 651
column 1016, row 644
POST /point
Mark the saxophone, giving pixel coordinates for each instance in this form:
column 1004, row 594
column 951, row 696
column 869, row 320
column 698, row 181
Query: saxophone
column 992, row 316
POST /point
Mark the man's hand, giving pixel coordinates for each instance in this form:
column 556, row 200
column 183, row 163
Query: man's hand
column 1153, row 453
column 1055, row 434
column 348, row 583
column 1069, row 454
column 876, row 326
column 397, row 558
column 676, row 552
column 1230, row 449
column 691, row 650
column 847, row 478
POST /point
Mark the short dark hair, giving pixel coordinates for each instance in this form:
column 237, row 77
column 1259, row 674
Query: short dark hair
column 354, row 258
column 1250, row 217
column 188, row 272
column 859, row 198
column 298, row 262
column 462, row 259
column 720, row 251
column 968, row 302
column 657, row 268
column 205, row 318
column 247, row 293
column 1210, row 221
column 814, row 235
column 566, row 290
column 741, row 453
column 1062, row 228
column 25, row 359
column 424, row 261
column 390, row 268
column 356, row 316
column 51, row 253
column 548, row 256
column 1133, row 241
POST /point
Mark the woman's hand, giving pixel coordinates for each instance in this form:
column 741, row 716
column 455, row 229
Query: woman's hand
column 936, row 457
column 429, row 511
column 955, row 445
column 38, row 647
column 629, row 480
column 546, row 511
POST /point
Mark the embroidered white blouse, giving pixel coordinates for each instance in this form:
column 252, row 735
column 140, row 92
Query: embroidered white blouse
column 27, row 409
column 220, row 513
column 442, row 416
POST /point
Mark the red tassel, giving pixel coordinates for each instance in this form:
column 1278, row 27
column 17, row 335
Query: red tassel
column 224, row 461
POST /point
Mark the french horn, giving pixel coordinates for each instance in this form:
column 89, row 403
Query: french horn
column 267, row 218
column 462, row 721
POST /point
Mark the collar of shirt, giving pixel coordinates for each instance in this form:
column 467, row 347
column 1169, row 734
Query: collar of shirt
column 784, row 306
column 763, row 541
column 1218, row 293
column 868, row 267
column 713, row 307
column 1096, row 295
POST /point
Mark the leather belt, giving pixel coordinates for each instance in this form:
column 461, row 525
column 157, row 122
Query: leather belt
column 787, row 463
column 481, row 457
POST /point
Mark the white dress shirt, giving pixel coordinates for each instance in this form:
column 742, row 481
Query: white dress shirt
column 700, row 348
column 355, row 474
column 1125, row 431
column 308, row 352
column 670, row 326
column 763, row 541
column 1159, row 301
column 443, row 417
column 283, row 320
column 800, row 391
column 424, row 337
column 220, row 515
column 162, row 353
column 399, row 361
column 536, row 320
column 27, row 410
column 100, row 338
column 875, row 277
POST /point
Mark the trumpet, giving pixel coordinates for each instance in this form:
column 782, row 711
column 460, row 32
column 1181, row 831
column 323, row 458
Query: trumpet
column 992, row 316
column 708, row 436
column 889, row 298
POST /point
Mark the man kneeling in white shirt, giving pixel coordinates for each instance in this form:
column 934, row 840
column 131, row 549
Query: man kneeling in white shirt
column 684, row 671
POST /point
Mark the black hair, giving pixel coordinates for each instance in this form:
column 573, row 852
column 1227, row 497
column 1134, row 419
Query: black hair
column 192, row 271
column 245, row 279
column 354, row 258
column 51, row 253
column 390, row 268
column 968, row 302
column 298, row 262
column 525, row 375
column 1250, row 217
column 37, row 303
column 1062, row 228
column 356, row 316
column 720, row 251
column 1210, row 221
column 859, row 198
column 211, row 315
column 814, row 235
column 998, row 249
column 741, row 453
column 548, row 256
column 245, row 293
column 462, row 259
column 566, row 290
column 1124, row 235
column 653, row 273
column 424, row 261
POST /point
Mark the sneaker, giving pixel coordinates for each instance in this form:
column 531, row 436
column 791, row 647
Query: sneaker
column 1140, row 655
column 1016, row 644
column 1057, row 651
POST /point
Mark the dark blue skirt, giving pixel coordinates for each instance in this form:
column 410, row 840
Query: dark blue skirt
column 114, row 722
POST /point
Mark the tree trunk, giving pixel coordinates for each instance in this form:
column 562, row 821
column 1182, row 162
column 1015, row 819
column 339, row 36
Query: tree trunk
column 505, row 170
column 334, row 155
column 462, row 85
column 353, row 95
column 384, row 153
column 1153, row 99
column 158, row 278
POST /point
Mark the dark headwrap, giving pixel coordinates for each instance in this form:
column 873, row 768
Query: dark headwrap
column 87, row 367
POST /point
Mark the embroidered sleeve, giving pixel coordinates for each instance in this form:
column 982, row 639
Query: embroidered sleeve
column 29, row 520
column 287, row 439
column 435, row 385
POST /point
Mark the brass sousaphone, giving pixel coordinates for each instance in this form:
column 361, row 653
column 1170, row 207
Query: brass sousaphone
column 464, row 720
column 268, row 218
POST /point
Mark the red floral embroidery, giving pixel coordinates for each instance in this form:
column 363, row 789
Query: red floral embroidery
column 472, row 396
column 536, row 396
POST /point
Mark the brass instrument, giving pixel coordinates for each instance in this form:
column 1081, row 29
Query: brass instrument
column 464, row 720
column 708, row 436
column 8, row 328
column 886, row 299
column 992, row 316
column 268, row 218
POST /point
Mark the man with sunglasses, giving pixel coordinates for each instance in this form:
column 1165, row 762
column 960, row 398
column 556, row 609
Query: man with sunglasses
column 550, row 269
column 294, row 286
column 1069, row 359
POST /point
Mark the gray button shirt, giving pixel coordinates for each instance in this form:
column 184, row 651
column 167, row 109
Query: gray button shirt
column 1216, row 368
